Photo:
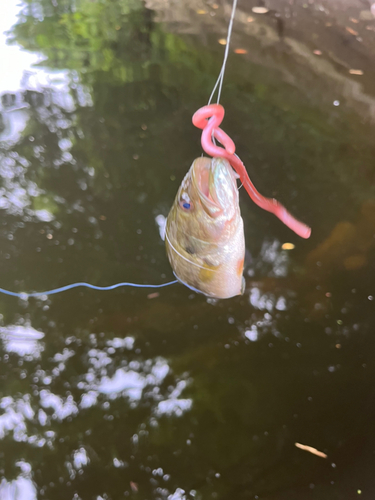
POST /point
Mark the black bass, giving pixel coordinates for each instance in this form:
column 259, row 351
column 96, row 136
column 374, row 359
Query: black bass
column 204, row 233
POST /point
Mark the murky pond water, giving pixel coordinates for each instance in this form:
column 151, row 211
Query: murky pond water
column 168, row 395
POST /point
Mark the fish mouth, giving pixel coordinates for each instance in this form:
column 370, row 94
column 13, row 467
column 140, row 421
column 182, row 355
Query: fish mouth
column 202, row 177
column 215, row 183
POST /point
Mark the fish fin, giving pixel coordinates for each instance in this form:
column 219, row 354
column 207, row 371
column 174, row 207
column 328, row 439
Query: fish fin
column 243, row 286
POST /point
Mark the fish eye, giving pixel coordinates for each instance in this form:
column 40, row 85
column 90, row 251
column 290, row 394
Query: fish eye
column 186, row 205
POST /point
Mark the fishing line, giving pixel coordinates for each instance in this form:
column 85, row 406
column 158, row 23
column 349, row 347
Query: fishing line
column 220, row 79
column 187, row 260
column 25, row 295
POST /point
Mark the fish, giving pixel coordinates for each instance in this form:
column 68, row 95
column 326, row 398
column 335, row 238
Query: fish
column 204, row 232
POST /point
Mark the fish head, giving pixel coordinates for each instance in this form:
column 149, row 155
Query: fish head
column 209, row 192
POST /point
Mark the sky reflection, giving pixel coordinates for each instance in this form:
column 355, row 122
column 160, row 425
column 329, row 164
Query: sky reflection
column 21, row 488
column 22, row 340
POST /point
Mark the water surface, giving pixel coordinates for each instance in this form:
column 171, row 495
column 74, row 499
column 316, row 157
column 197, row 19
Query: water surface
column 127, row 394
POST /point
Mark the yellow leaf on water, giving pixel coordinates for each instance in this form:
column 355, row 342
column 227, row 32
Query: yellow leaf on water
column 222, row 41
column 287, row 246
column 310, row 449
column 351, row 31
column 201, row 11
column 260, row 10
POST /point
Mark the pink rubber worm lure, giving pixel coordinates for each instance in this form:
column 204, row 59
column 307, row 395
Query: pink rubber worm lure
column 208, row 119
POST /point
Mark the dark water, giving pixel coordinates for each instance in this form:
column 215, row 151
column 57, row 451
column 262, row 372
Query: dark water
column 122, row 394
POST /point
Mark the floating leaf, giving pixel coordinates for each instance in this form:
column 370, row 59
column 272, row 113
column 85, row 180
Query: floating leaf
column 356, row 72
column 134, row 486
column 260, row 10
column 310, row 449
column 351, row 31
column 287, row 246
column 240, row 51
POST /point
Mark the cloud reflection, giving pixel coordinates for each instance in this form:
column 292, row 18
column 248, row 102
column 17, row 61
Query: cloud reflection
column 15, row 414
column 21, row 488
column 133, row 383
column 22, row 340
column 179, row 494
column 80, row 458
column 173, row 405
column 30, row 419
column 62, row 408
column 273, row 259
